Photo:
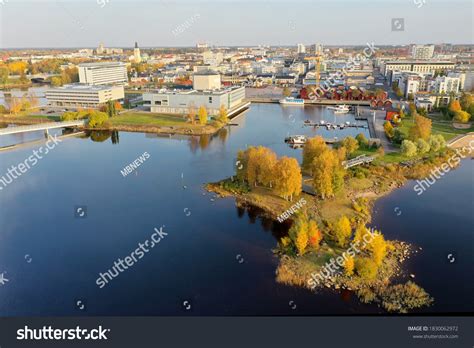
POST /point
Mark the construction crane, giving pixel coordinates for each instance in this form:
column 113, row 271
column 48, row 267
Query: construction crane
column 317, row 66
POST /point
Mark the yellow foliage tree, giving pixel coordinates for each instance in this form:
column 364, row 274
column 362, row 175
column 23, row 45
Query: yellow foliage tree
column 202, row 114
column 17, row 68
column 378, row 248
column 299, row 234
column 15, row 106
column 312, row 149
column 223, row 114
column 289, row 177
column 342, row 231
column 421, row 128
column 349, row 266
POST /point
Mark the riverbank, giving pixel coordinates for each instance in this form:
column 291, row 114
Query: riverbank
column 362, row 188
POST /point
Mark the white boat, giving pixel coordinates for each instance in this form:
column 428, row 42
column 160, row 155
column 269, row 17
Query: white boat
column 322, row 122
column 292, row 101
column 296, row 139
column 340, row 109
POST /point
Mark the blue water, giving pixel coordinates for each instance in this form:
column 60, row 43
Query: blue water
column 216, row 257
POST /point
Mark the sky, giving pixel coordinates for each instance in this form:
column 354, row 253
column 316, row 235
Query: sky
column 158, row 23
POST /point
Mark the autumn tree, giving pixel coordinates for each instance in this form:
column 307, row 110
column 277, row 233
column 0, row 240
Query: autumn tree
column 466, row 101
column 377, row 247
column 350, row 144
column 462, row 116
column 289, row 177
column 223, row 115
column 328, row 174
column 349, row 266
column 299, row 234
column 202, row 114
column 286, row 92
column 421, row 128
column 4, row 72
column 191, row 113
column 15, row 105
column 314, row 235
column 341, row 231
column 388, row 128
column 454, row 106
column 312, row 149
column 362, row 140
column 366, row 268
column 268, row 161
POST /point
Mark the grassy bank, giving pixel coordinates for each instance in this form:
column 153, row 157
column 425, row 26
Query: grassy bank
column 159, row 123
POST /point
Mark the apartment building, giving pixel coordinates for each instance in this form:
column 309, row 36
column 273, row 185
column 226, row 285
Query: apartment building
column 103, row 73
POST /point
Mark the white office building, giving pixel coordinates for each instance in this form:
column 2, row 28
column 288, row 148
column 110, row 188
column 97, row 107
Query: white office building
column 174, row 102
column 422, row 51
column 83, row 96
column 445, row 85
column 103, row 73
column 301, row 48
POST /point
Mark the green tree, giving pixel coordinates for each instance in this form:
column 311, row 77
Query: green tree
column 366, row 268
column 408, row 148
column 299, row 234
column 4, row 73
column 422, row 146
column 97, row 118
column 362, row 140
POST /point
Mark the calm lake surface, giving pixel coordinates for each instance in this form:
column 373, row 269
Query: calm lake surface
column 215, row 256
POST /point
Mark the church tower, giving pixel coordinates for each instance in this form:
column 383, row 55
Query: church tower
column 136, row 54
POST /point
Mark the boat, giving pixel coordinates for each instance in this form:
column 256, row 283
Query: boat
column 340, row 109
column 322, row 122
column 296, row 139
column 292, row 101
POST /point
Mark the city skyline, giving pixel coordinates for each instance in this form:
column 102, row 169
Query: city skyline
column 119, row 24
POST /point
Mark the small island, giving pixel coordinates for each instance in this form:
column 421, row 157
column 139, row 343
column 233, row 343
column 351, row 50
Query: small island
column 329, row 206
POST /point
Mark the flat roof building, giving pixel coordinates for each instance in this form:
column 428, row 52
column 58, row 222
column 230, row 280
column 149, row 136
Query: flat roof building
column 103, row 73
column 180, row 102
column 83, row 96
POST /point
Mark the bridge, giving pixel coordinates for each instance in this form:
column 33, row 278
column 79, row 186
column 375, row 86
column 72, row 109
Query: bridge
column 41, row 127
column 362, row 159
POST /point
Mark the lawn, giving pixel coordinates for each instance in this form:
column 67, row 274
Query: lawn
column 150, row 119
column 444, row 128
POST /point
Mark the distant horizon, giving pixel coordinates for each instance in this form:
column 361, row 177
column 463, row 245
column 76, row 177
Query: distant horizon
column 157, row 23
column 228, row 46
